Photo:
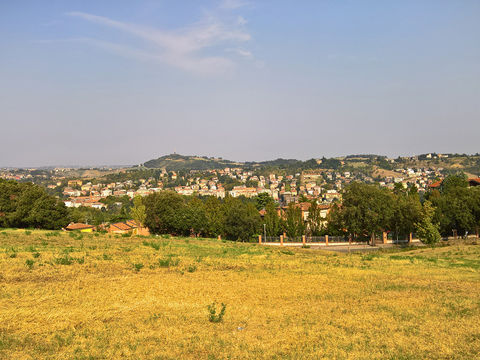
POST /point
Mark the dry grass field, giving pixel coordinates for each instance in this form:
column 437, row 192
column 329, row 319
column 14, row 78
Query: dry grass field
column 72, row 296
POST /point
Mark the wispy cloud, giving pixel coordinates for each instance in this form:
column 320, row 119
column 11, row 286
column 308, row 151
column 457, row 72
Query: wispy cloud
column 183, row 48
column 244, row 53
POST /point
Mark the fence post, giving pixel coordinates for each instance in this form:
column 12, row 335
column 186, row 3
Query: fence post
column 384, row 237
column 259, row 239
column 326, row 240
column 410, row 236
column 476, row 231
column 303, row 240
column 281, row 240
column 219, row 237
column 349, row 240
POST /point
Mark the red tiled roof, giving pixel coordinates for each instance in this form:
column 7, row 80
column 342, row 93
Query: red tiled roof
column 79, row 226
column 122, row 226
column 131, row 223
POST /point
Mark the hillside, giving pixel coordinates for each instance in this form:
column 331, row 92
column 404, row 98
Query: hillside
column 366, row 163
column 176, row 162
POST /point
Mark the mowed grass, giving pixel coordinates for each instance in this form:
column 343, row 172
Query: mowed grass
column 104, row 297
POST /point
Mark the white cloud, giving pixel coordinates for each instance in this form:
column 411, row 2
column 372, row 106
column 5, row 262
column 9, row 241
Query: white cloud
column 180, row 48
column 244, row 53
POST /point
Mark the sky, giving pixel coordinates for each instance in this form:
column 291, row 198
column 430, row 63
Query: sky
column 116, row 82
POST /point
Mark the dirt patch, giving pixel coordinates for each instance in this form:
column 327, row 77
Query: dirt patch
column 383, row 173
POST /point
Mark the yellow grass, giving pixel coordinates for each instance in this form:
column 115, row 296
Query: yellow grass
column 281, row 303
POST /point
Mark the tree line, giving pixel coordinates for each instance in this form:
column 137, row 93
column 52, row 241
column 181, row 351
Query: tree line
column 368, row 209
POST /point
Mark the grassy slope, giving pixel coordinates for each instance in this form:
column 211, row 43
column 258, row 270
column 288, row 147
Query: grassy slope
column 291, row 303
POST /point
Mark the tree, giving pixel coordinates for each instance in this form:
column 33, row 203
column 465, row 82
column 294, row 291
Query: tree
column 48, row 213
column 426, row 230
column 242, row 221
column 366, row 209
column 163, row 212
column 294, row 222
column 406, row 212
column 192, row 218
column 315, row 220
column 27, row 205
column 214, row 217
column 138, row 212
column 455, row 205
column 272, row 220
column 262, row 200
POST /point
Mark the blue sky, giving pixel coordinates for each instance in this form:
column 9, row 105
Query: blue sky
column 122, row 82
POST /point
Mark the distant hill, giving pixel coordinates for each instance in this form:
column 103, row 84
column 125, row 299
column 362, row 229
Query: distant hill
column 277, row 162
column 176, row 162
column 468, row 163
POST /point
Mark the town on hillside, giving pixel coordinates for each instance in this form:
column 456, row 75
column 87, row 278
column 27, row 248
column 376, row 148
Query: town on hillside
column 285, row 184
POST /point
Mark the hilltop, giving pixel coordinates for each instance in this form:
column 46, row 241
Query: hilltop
column 177, row 162
column 373, row 164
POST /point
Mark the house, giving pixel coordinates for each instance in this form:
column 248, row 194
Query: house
column 80, row 227
column 473, row 182
column 123, row 228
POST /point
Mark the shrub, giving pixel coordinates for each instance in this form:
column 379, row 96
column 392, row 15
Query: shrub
column 64, row 260
column 29, row 263
column 138, row 266
column 213, row 316
column 28, row 232
column 168, row 262
column 191, row 268
column 55, row 233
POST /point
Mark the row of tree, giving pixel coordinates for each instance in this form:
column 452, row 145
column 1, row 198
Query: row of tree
column 234, row 218
column 368, row 209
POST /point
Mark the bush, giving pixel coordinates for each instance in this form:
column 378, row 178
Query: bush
column 213, row 316
column 168, row 262
column 138, row 266
column 55, row 233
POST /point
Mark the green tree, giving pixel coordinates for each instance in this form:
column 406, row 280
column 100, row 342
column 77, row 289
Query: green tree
column 242, row 221
column 138, row 212
column 262, row 200
column 272, row 220
column 26, row 205
column 215, row 218
column 366, row 209
column 406, row 212
column 163, row 212
column 427, row 231
column 294, row 222
column 315, row 220
column 193, row 218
